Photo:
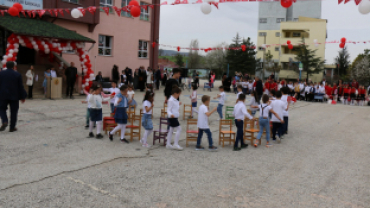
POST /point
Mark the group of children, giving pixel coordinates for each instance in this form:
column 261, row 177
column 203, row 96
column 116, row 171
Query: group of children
column 274, row 108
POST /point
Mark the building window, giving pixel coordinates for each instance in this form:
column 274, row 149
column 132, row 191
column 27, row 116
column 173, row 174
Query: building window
column 277, row 48
column 143, row 49
column 123, row 13
column 277, row 34
column 144, row 12
column 263, row 20
column 262, row 34
column 295, row 19
column 106, row 3
column 261, row 48
column 72, row 1
column 105, row 45
column 278, row 20
column 296, row 34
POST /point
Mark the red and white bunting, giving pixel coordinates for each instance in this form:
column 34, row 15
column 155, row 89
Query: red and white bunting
column 92, row 10
column 68, row 11
column 41, row 12
column 126, row 9
column 118, row 11
column 198, row 2
column 144, row 7
column 24, row 13
column 61, row 12
column 215, row 4
column 55, row 12
column 185, row 2
column 151, row 6
column 346, row 1
column 2, row 12
column 82, row 10
column 340, row 1
column 164, row 3
column 50, row 11
column 357, row 1
column 106, row 9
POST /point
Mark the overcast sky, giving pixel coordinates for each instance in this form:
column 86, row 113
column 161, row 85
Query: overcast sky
column 182, row 23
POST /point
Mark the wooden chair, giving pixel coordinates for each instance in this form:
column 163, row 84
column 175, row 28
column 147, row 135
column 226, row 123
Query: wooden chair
column 190, row 133
column 226, row 135
column 134, row 127
column 109, row 124
column 162, row 132
column 164, row 111
column 131, row 112
column 229, row 113
column 249, row 130
column 187, row 111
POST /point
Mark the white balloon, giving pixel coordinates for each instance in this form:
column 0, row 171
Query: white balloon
column 16, row 50
column 55, row 45
column 315, row 40
column 206, row 8
column 36, row 47
column 11, row 51
column 7, row 45
column 21, row 41
column 263, row 45
column 16, row 45
column 87, row 80
column 75, row 13
column 83, row 56
column 33, row 42
column 47, row 51
column 42, row 42
column 5, row 57
column 92, row 75
column 81, row 15
column 15, row 63
column 364, row 7
column 60, row 48
column 3, row 61
column 83, row 85
column 10, row 55
column 46, row 46
column 84, row 70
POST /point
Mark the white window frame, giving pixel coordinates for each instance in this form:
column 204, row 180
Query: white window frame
column 262, row 34
column 142, row 49
column 145, row 14
column 278, row 20
column 277, row 34
column 263, row 20
column 277, row 48
column 123, row 4
column 295, row 19
column 105, row 4
column 70, row 1
column 104, row 47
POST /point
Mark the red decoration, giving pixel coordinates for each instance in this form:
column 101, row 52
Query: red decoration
column 151, row 6
column 214, row 3
column 340, row 1
column 55, row 12
column 135, row 11
column 343, row 40
column 244, row 48
column 185, row 2
column 164, row 3
column 288, row 42
column 18, row 6
column 83, row 11
column 13, row 11
column 41, row 12
column 178, row 48
column 50, row 11
column 144, row 7
column 357, row 1
column 199, row 2
column 106, row 9
column 92, row 10
column 286, row 3
column 24, row 13
column 68, row 11
column 153, row 44
column 134, row 3
column 341, row 45
column 118, row 11
column 29, row 13
column 290, row 46
column 346, row 1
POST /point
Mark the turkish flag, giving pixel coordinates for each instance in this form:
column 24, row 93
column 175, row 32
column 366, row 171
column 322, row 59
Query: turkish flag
column 118, row 11
column 106, row 9
column 83, row 11
column 41, row 12
column 346, row 1
column 92, row 10
column 61, row 12
column 56, row 12
column 357, row 1
column 185, row 2
column 29, row 13
column 50, row 11
column 151, row 6
column 24, row 13
column 340, row 1
column 68, row 11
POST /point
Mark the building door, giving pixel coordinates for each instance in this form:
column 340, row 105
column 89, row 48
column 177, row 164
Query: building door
column 26, row 56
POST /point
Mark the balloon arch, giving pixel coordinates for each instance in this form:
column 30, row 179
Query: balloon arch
column 48, row 46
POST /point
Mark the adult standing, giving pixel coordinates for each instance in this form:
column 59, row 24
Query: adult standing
column 11, row 91
column 158, row 77
column 142, row 78
column 99, row 77
column 259, row 89
column 197, row 79
column 30, row 79
column 47, row 74
column 115, row 74
column 71, row 74
column 149, row 78
column 128, row 73
column 136, row 79
column 164, row 80
column 53, row 73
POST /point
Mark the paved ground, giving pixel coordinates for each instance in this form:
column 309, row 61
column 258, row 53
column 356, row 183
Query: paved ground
column 49, row 162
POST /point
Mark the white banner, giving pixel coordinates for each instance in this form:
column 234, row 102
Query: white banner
column 27, row 4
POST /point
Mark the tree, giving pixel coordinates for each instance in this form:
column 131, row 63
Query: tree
column 238, row 60
column 270, row 65
column 311, row 63
column 342, row 61
column 361, row 71
column 216, row 59
column 179, row 60
column 194, row 59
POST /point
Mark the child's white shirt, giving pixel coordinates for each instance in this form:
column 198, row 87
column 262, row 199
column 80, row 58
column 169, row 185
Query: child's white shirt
column 173, row 107
column 278, row 106
column 130, row 94
column 202, row 117
column 147, row 104
column 87, row 100
column 111, row 91
column 96, row 101
column 193, row 96
column 222, row 98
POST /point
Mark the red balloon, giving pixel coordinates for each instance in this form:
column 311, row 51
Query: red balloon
column 286, row 3
column 244, row 47
column 135, row 11
column 13, row 11
column 29, row 45
column 18, row 6
column 341, row 45
column 9, row 59
column 133, row 3
column 343, row 40
column 153, row 44
column 288, row 42
column 178, row 48
column 290, row 46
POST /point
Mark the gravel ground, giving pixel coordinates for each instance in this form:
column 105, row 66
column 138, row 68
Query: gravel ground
column 50, row 162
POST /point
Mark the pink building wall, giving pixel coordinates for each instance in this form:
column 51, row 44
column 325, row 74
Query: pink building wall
column 126, row 33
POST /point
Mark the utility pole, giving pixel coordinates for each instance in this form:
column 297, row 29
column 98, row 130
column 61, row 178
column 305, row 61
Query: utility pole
column 264, row 56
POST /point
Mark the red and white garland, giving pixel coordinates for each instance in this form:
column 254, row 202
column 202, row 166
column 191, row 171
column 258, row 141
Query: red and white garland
column 48, row 46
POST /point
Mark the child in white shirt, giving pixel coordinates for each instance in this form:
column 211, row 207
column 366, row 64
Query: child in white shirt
column 120, row 115
column 113, row 91
column 130, row 96
column 221, row 101
column 264, row 120
column 240, row 112
column 203, row 124
column 146, row 121
column 173, row 113
column 278, row 106
column 96, row 113
column 88, row 108
column 239, row 88
column 194, row 101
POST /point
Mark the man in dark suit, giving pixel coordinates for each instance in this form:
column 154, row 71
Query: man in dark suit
column 259, row 89
column 71, row 73
column 11, row 92
column 128, row 73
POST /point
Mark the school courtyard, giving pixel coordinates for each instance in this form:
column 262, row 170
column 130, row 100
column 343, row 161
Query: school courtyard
column 50, row 162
